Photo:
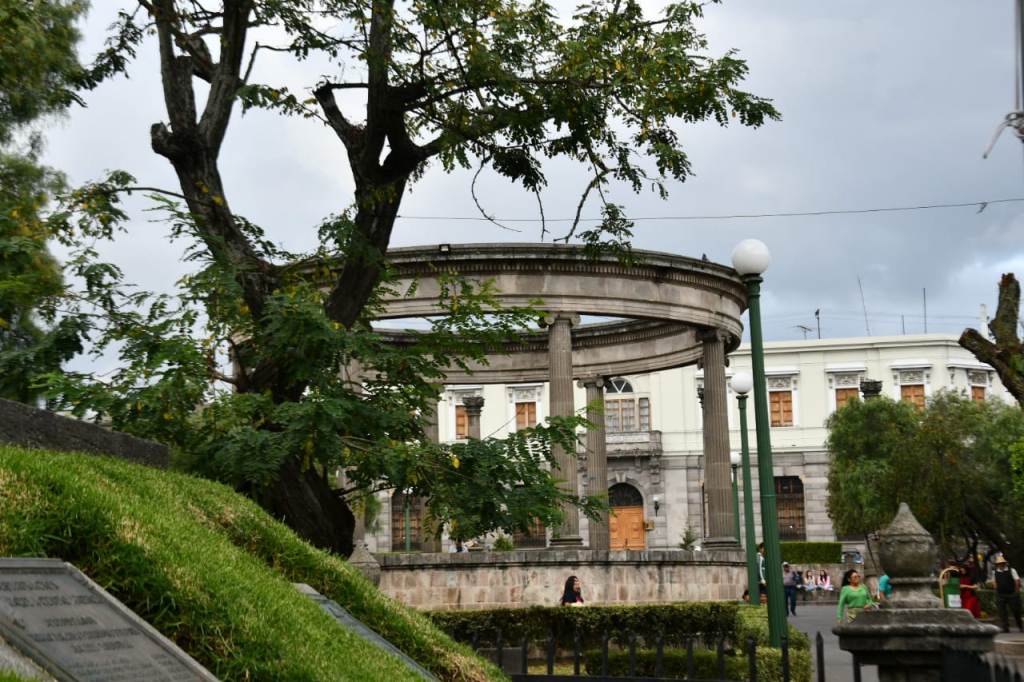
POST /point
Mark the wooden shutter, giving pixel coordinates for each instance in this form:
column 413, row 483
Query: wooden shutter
column 526, row 415
column 781, row 405
column 978, row 394
column 461, row 422
column 845, row 395
column 913, row 393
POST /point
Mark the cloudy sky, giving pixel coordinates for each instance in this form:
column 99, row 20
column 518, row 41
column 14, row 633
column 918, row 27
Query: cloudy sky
column 884, row 104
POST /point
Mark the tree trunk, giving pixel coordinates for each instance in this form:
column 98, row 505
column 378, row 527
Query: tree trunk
column 305, row 502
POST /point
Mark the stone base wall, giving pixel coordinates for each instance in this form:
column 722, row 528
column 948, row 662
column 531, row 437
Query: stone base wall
column 34, row 428
column 481, row 580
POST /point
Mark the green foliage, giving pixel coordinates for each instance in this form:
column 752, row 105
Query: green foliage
column 211, row 571
column 39, row 71
column 802, row 553
column 677, row 622
column 705, row 664
column 752, row 622
column 865, row 438
column 689, row 538
column 953, row 463
column 503, row 543
column 38, row 74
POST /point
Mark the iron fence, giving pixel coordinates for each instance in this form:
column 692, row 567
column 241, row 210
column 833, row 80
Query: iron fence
column 515, row 659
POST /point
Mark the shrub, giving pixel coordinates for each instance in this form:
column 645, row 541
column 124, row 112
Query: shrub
column 705, row 664
column 503, row 543
column 678, row 622
column 801, row 553
column 752, row 621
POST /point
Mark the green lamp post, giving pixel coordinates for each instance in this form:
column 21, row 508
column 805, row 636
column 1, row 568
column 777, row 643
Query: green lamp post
column 734, row 459
column 741, row 384
column 751, row 258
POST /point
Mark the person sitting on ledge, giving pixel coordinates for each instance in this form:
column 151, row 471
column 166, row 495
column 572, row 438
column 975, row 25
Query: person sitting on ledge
column 572, row 595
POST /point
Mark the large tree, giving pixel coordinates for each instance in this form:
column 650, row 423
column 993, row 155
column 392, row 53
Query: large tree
column 39, row 76
column 505, row 84
column 956, row 463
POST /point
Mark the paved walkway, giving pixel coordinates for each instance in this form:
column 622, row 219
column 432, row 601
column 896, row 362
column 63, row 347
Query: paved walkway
column 814, row 618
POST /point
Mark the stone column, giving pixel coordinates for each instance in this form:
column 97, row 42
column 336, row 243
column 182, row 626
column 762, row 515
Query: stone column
column 717, row 482
column 560, row 404
column 474, row 405
column 431, row 541
column 597, row 459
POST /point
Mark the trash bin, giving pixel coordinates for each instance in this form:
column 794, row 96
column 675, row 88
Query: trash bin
column 949, row 583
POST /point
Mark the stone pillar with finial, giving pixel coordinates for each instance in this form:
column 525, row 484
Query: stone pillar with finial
column 905, row 638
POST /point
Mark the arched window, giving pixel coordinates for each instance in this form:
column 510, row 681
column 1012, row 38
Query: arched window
column 406, row 525
column 623, row 410
column 624, row 495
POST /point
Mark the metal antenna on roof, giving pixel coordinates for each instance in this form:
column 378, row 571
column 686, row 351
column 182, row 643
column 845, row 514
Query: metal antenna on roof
column 864, row 305
column 804, row 328
column 1015, row 119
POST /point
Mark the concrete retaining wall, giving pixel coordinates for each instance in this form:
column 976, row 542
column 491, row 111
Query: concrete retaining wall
column 34, row 428
column 478, row 580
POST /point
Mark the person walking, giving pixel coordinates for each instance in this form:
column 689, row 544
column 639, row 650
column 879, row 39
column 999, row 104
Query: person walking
column 789, row 584
column 763, row 585
column 854, row 598
column 1007, row 584
column 884, row 588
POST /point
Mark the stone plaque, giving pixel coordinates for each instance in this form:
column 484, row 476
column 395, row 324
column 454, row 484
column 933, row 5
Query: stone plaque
column 72, row 628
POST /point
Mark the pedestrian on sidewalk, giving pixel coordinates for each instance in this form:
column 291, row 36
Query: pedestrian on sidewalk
column 1007, row 584
column 789, row 584
column 854, row 598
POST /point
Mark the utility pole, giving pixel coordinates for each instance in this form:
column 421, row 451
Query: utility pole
column 817, row 319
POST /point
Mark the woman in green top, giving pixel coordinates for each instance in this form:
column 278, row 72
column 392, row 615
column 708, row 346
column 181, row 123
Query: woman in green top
column 854, row 598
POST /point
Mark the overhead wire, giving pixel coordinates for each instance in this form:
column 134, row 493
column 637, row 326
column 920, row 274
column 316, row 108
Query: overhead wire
column 981, row 204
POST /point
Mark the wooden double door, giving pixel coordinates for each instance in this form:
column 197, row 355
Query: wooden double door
column 626, row 527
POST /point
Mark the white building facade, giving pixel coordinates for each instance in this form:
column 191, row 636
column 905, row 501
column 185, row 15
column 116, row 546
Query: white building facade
column 655, row 440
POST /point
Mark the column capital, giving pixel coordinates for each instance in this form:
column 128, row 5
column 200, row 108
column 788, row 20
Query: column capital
column 474, row 404
column 712, row 334
column 572, row 318
column 597, row 381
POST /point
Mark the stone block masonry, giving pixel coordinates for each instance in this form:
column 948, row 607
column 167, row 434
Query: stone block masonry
column 31, row 427
column 473, row 580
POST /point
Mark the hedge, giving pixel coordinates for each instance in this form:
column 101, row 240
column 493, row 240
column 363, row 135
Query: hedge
column 677, row 622
column 710, row 621
column 801, row 553
column 705, row 664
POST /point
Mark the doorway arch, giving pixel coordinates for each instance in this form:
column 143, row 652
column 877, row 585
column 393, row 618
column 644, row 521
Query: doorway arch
column 626, row 520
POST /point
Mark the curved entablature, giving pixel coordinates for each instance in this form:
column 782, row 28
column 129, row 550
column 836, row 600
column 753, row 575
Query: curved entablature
column 669, row 303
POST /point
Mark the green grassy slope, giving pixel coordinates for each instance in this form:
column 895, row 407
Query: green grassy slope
column 212, row 571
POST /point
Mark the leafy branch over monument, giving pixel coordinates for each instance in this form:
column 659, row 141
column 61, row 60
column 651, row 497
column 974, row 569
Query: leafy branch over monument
column 502, row 84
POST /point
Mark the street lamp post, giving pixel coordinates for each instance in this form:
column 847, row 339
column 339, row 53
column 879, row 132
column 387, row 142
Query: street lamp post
column 741, row 384
column 734, row 459
column 751, row 258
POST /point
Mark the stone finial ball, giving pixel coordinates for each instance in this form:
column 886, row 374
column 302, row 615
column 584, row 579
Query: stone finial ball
column 906, row 549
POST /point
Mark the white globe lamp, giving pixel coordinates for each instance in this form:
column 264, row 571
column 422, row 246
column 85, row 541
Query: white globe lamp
column 751, row 257
column 742, row 382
